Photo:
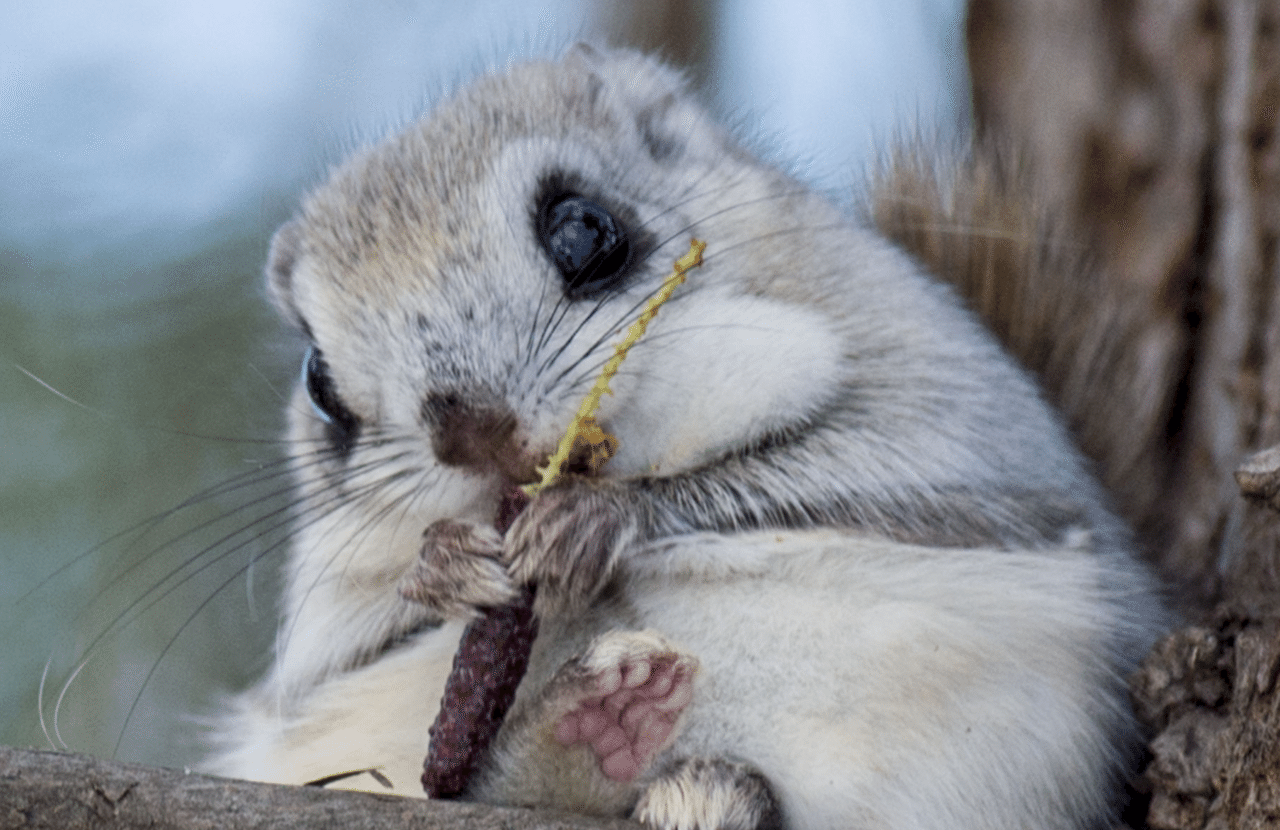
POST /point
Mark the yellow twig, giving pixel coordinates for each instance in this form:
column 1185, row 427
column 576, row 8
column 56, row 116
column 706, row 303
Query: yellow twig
column 583, row 426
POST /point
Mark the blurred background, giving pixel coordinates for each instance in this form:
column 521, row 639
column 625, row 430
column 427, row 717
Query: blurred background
column 147, row 151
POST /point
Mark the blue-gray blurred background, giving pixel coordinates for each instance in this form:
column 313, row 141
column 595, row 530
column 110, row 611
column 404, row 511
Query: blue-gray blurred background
column 147, row 150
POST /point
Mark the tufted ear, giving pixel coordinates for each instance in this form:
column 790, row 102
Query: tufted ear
column 672, row 124
column 286, row 248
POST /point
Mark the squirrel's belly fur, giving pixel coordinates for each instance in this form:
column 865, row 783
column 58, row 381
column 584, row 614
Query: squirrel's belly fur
column 838, row 507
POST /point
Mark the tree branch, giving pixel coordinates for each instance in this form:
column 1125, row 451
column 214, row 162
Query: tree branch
column 61, row 791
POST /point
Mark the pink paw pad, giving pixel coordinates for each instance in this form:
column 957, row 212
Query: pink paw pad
column 629, row 711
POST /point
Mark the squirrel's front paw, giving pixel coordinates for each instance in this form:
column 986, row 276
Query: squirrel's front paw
column 568, row 539
column 459, row 569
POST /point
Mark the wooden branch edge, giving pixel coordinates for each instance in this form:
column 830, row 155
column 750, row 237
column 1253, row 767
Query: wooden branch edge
column 65, row 791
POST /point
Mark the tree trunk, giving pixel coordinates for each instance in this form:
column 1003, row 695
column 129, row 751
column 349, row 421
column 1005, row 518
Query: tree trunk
column 1152, row 123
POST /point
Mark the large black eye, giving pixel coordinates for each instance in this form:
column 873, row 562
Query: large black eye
column 587, row 244
column 342, row 425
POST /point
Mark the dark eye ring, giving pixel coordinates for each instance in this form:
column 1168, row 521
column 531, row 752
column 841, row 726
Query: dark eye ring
column 341, row 423
column 587, row 244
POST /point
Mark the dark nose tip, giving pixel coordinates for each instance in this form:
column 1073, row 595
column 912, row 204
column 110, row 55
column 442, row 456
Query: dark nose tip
column 483, row 436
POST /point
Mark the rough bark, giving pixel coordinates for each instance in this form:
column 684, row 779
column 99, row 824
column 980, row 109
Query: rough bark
column 1211, row 694
column 59, row 791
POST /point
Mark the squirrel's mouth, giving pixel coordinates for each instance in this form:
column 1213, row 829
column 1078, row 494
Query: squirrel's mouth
column 585, row 459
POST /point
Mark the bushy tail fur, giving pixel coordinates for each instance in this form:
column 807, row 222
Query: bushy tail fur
column 1106, row 360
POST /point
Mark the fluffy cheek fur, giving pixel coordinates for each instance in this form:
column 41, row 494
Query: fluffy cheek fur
column 716, row 374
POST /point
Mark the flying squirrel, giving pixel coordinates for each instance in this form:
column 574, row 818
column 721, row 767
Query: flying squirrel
column 845, row 567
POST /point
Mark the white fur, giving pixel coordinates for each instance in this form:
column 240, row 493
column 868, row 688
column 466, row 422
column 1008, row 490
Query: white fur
column 917, row 681
column 374, row 717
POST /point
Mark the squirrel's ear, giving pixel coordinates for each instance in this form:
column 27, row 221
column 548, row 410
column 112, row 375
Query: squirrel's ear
column 674, row 126
column 654, row 95
column 286, row 248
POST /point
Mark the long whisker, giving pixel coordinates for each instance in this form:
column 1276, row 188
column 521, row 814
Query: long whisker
column 721, row 250
column 561, row 308
column 247, row 505
column 142, row 527
column 44, row 727
column 60, row 394
column 572, row 335
column 187, row 623
column 618, row 325
column 106, row 416
column 175, row 578
column 367, row 525
column 166, row 586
